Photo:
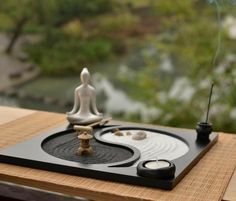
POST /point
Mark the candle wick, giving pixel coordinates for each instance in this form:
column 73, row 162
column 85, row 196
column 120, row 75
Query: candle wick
column 157, row 160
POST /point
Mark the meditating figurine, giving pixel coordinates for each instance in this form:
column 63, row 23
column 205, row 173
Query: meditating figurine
column 85, row 110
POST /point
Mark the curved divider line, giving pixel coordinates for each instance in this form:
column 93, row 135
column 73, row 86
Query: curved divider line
column 125, row 163
column 165, row 146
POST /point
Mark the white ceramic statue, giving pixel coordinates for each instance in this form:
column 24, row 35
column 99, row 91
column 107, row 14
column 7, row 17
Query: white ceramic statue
column 85, row 110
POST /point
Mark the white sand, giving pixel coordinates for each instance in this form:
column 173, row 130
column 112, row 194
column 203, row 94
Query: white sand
column 156, row 145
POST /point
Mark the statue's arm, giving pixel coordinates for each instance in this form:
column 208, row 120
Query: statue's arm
column 94, row 105
column 76, row 103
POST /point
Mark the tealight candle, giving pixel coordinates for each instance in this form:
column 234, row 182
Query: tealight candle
column 160, row 169
column 156, row 164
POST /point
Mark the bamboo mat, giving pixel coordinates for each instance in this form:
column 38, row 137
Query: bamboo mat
column 206, row 181
column 9, row 114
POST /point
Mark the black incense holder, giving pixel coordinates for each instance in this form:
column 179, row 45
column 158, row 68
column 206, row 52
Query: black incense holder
column 204, row 129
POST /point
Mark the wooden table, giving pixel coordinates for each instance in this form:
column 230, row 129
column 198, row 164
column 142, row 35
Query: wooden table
column 19, row 175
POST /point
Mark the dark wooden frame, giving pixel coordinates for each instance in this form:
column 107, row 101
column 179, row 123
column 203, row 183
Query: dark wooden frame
column 30, row 154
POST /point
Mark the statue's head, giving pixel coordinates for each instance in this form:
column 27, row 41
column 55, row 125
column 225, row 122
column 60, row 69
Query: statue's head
column 85, row 76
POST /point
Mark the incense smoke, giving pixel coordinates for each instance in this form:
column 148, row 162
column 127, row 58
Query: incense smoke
column 218, row 46
column 218, row 15
column 232, row 1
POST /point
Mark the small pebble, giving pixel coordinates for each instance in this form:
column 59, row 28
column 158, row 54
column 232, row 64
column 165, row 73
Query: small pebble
column 140, row 135
column 117, row 132
column 128, row 133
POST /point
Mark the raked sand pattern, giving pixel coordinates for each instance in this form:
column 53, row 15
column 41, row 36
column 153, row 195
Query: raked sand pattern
column 156, row 145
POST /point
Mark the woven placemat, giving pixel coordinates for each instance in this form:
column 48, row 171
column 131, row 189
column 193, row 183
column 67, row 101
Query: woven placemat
column 206, row 181
column 28, row 126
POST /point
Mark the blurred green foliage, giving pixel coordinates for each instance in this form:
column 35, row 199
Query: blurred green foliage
column 78, row 33
column 114, row 22
column 62, row 55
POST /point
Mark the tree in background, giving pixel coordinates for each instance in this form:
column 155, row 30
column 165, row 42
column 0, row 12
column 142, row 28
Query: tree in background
column 81, row 32
column 19, row 15
column 48, row 14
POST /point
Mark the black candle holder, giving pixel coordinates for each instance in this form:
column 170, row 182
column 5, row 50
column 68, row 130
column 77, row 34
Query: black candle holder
column 159, row 173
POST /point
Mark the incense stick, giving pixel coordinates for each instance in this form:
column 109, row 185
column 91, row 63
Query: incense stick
column 209, row 102
column 102, row 122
